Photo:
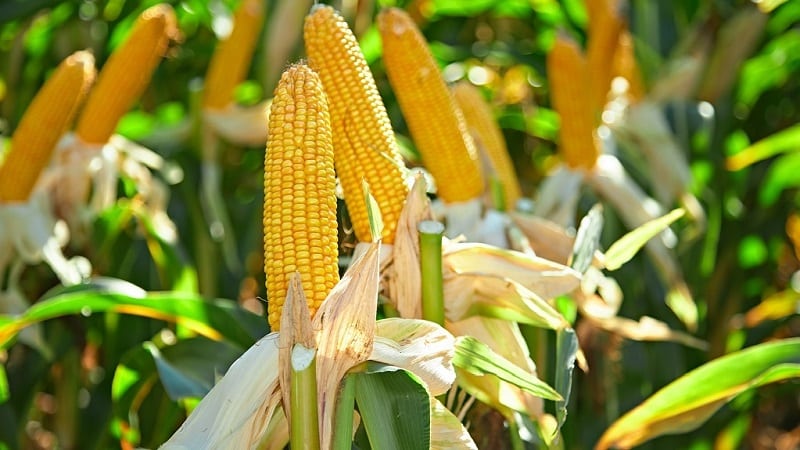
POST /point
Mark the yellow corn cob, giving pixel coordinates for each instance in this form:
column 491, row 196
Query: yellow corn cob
column 46, row 119
column 363, row 140
column 126, row 74
column 568, row 74
column 488, row 137
column 605, row 25
column 625, row 66
column 231, row 59
column 435, row 122
column 300, row 230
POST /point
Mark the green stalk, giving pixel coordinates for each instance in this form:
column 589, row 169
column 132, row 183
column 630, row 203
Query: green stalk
column 514, row 437
column 430, row 239
column 304, row 427
column 498, row 194
column 343, row 426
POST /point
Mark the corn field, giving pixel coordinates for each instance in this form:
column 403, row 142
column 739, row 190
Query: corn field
column 422, row 224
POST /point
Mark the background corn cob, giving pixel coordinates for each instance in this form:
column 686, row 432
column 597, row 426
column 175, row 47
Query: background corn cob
column 232, row 57
column 435, row 122
column 126, row 74
column 49, row 115
column 626, row 66
column 568, row 74
column 363, row 140
column 605, row 25
column 300, row 229
column 488, row 137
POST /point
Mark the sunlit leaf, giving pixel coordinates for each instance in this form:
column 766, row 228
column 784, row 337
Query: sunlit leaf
column 217, row 319
column 628, row 245
column 780, row 142
column 687, row 402
column 475, row 357
column 566, row 354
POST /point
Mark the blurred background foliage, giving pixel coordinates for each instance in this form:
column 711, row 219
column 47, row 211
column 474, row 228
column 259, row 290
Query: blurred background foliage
column 100, row 388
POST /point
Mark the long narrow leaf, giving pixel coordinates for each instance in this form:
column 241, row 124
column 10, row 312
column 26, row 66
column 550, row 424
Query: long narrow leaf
column 626, row 247
column 687, row 402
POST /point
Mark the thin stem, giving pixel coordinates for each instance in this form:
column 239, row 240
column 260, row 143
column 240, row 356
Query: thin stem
column 304, row 427
column 430, row 238
column 343, row 427
column 498, row 194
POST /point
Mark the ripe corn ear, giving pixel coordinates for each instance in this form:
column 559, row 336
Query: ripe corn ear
column 567, row 71
column 605, row 25
column 300, row 229
column 436, row 124
column 126, row 74
column 363, row 140
column 232, row 57
column 48, row 116
column 488, row 137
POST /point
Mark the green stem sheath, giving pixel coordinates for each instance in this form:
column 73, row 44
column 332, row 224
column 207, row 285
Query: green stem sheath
column 304, row 427
column 430, row 238
column 343, row 422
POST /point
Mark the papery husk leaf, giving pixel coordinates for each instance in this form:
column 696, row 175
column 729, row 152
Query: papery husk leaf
column 646, row 129
column 447, row 432
column 346, row 324
column 557, row 199
column 463, row 218
column 470, row 294
column 776, row 306
column 547, row 239
column 647, row 329
column 403, row 277
column 418, row 346
column 295, row 329
column 240, row 125
column 236, row 412
column 505, row 339
column 544, row 277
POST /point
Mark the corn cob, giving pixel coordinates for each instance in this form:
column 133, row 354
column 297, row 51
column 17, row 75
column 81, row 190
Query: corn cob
column 568, row 74
column 435, row 122
column 231, row 59
column 605, row 25
column 488, row 137
column 363, row 140
column 300, row 229
column 46, row 119
column 126, row 74
column 625, row 66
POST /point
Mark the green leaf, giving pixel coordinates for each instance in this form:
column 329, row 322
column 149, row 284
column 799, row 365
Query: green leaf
column 373, row 212
column 477, row 358
column 687, row 402
column 780, row 142
column 566, row 353
column 4, row 393
column 626, row 247
column 217, row 319
column 190, row 367
column 782, row 175
column 390, row 401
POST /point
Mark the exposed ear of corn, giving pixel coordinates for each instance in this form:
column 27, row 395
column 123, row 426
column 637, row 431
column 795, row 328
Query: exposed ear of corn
column 46, row 119
column 363, row 140
column 300, row 229
column 126, row 74
column 625, row 66
column 436, row 124
column 232, row 57
column 488, row 137
column 605, row 25
column 568, row 73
